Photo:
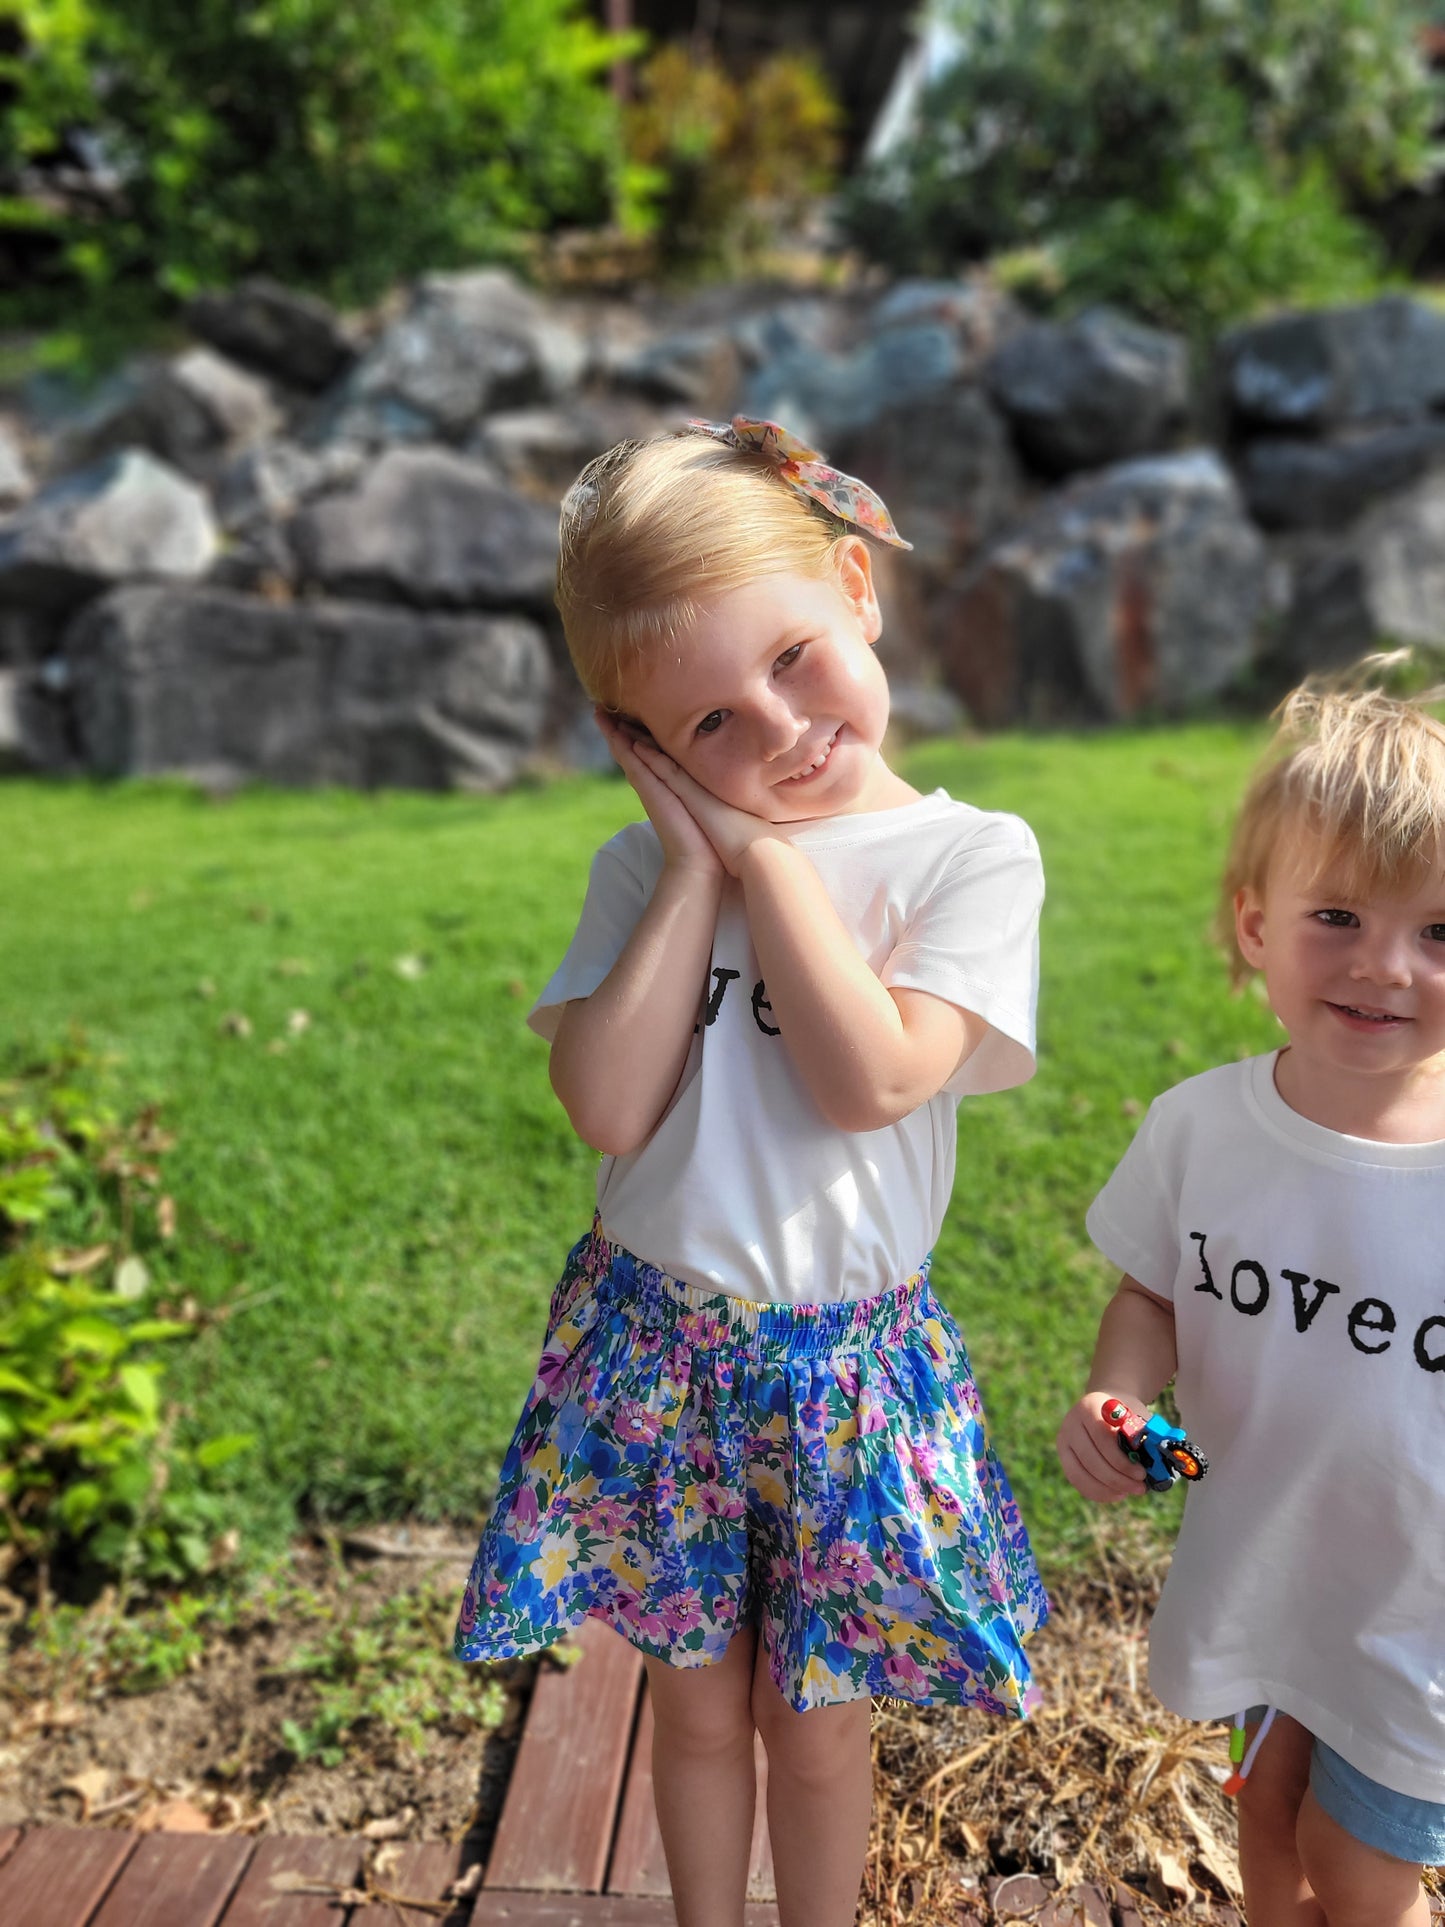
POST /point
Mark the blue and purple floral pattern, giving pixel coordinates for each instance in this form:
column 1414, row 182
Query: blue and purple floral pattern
column 688, row 1463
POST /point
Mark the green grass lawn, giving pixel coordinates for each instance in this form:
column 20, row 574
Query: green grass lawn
column 390, row 1193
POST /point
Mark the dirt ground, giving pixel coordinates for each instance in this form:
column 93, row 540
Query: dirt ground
column 1101, row 1787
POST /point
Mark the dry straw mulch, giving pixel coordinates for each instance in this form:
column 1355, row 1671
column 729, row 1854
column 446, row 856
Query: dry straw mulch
column 1103, row 1788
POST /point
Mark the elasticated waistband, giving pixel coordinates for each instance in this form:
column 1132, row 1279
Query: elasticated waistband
column 762, row 1329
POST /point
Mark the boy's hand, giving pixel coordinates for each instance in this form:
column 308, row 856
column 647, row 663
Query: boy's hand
column 729, row 831
column 685, row 844
column 1089, row 1451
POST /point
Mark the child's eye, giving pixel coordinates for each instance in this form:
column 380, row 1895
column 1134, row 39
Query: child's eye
column 1435, row 932
column 1337, row 919
column 789, row 657
column 712, row 722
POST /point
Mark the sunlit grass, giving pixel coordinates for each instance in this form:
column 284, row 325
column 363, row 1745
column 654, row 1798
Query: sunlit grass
column 386, row 1187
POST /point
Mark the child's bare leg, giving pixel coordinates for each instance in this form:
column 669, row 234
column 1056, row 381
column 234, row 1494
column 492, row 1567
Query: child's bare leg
column 704, row 1781
column 1357, row 1885
column 820, row 1799
column 1276, row 1890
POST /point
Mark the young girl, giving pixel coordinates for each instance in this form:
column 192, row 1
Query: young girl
column 753, row 1445
column 1279, row 1223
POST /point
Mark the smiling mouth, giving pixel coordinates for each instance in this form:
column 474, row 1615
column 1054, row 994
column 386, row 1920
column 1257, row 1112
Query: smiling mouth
column 819, row 762
column 1381, row 1019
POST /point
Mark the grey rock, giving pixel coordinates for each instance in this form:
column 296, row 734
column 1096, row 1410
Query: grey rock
column 268, row 482
column 27, row 636
column 204, row 680
column 13, row 751
column 467, row 344
column 129, row 515
column 259, row 561
column 789, row 327
column 1294, row 484
column 828, row 398
column 945, row 467
column 697, row 369
column 1310, row 372
column 540, row 450
column 1380, row 582
column 190, row 411
column 16, row 481
column 1140, row 588
column 294, row 337
column 432, row 528
column 1084, row 393
column 982, row 315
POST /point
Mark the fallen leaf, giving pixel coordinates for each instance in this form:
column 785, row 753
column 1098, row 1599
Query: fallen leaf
column 171, row 1816
column 235, row 1024
column 297, row 1021
column 410, row 967
column 465, row 1885
column 393, row 1827
column 1174, row 1874
column 1216, row 1857
column 90, row 1787
column 166, row 1217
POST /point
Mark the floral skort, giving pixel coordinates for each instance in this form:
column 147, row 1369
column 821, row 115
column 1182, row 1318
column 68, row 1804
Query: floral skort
column 688, row 1463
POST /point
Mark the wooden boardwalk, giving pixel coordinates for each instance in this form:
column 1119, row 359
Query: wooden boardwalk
column 576, row 1846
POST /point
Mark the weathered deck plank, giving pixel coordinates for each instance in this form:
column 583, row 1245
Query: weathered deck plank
column 266, row 1896
column 555, row 1833
column 421, row 1871
column 176, row 1880
column 58, row 1876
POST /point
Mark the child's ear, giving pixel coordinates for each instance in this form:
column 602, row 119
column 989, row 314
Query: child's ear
column 1249, row 925
column 854, row 564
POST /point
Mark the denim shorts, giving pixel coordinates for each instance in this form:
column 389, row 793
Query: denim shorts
column 1375, row 1815
column 688, row 1463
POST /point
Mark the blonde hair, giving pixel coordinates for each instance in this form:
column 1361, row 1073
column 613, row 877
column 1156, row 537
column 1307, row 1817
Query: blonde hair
column 1355, row 773
column 651, row 529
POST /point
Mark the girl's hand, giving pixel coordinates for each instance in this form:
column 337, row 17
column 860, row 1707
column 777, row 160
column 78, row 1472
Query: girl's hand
column 685, row 845
column 729, row 831
column 1089, row 1451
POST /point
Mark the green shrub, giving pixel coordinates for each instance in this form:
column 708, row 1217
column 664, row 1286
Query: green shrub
column 1179, row 158
column 91, row 1480
column 732, row 164
column 336, row 144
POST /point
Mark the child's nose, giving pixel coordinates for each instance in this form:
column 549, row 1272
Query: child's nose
column 1384, row 959
column 780, row 727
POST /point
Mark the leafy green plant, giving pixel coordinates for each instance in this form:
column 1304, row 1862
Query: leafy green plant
column 731, row 163
column 89, row 1471
column 1239, row 139
column 393, row 1669
column 337, row 144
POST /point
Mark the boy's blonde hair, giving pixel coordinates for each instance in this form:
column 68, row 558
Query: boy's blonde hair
column 1356, row 773
column 651, row 530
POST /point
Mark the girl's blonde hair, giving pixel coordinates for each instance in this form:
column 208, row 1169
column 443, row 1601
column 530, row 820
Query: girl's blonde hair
column 1357, row 775
column 651, row 530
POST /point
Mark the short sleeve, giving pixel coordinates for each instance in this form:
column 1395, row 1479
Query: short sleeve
column 1134, row 1220
column 623, row 876
column 974, row 941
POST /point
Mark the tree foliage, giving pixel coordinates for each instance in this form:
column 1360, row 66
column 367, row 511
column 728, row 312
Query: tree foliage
column 339, row 144
column 731, row 162
column 1217, row 132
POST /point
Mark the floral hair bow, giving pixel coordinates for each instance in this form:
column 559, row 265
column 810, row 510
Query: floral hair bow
column 804, row 469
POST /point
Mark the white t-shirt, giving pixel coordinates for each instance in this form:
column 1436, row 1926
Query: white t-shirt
column 743, row 1186
column 1308, row 1280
